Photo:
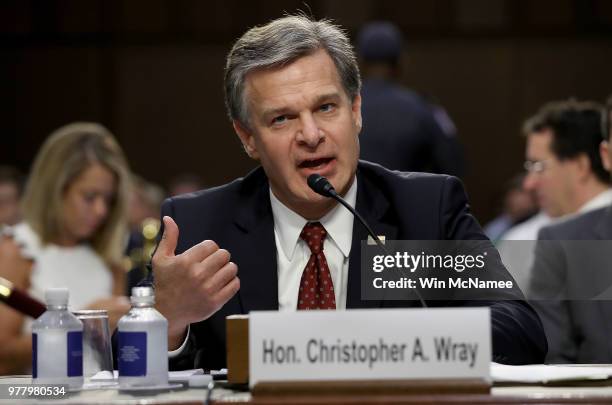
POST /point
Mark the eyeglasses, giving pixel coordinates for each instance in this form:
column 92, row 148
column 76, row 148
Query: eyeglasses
column 535, row 166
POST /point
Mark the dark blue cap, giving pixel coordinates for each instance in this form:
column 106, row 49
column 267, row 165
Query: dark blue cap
column 379, row 41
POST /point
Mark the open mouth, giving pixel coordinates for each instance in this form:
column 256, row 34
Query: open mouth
column 314, row 163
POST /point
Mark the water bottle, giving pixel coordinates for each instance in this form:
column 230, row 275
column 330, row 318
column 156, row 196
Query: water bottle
column 57, row 343
column 143, row 343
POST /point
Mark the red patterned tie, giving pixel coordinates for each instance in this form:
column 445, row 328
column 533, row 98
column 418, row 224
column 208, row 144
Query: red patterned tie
column 316, row 286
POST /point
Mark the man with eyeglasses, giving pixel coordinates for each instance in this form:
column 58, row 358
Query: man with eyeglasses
column 563, row 161
column 571, row 282
column 564, row 170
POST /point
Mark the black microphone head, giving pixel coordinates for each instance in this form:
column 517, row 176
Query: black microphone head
column 321, row 185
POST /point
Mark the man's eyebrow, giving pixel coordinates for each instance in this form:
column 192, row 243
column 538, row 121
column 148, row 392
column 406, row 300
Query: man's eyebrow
column 273, row 112
column 328, row 97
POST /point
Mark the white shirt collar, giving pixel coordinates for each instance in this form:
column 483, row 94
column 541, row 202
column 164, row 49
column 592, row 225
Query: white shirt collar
column 338, row 223
column 599, row 201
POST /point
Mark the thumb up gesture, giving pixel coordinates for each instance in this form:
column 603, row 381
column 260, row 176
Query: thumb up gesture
column 193, row 285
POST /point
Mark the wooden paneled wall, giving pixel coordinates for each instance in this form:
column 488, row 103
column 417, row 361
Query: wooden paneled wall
column 151, row 70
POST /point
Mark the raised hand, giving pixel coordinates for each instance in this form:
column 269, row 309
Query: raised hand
column 193, row 285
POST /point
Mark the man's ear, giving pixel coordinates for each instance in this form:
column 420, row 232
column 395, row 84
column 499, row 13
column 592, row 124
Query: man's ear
column 582, row 163
column 247, row 139
column 356, row 108
column 605, row 151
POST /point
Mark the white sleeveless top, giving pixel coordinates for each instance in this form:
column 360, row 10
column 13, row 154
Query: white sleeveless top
column 78, row 268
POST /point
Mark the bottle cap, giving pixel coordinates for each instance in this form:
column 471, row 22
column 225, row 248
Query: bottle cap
column 56, row 296
column 143, row 295
column 200, row 380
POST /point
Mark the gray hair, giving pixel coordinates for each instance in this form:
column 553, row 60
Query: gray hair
column 279, row 43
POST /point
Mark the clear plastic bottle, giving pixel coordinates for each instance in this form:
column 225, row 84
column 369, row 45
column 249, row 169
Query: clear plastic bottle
column 57, row 343
column 143, row 343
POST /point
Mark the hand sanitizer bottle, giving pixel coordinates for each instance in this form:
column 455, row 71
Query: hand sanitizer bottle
column 143, row 343
column 57, row 343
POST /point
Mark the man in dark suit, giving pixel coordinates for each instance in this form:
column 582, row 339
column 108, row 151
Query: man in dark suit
column 402, row 130
column 571, row 282
column 292, row 91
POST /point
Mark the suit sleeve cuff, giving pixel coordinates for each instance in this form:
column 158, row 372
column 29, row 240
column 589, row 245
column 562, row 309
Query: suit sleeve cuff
column 175, row 353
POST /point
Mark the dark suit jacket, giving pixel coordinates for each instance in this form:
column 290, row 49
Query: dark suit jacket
column 417, row 206
column 570, row 287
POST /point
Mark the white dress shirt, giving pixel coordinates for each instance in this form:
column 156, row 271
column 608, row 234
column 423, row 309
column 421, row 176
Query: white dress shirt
column 519, row 256
column 599, row 201
column 293, row 252
column 78, row 268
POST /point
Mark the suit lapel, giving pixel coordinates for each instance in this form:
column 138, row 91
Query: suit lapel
column 374, row 208
column 257, row 268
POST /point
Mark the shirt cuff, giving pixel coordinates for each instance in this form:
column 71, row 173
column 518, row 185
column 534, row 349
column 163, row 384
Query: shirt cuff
column 174, row 353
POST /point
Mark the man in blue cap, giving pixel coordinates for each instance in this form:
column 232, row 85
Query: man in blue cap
column 401, row 130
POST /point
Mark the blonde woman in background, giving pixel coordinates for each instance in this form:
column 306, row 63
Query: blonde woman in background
column 73, row 232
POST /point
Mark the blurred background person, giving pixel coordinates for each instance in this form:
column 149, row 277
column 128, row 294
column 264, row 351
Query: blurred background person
column 11, row 187
column 401, row 130
column 74, row 229
column 564, row 170
column 564, row 164
column 570, row 283
column 519, row 205
column 185, row 183
column 145, row 199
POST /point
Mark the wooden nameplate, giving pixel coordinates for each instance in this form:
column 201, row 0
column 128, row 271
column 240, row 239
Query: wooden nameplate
column 238, row 373
column 237, row 327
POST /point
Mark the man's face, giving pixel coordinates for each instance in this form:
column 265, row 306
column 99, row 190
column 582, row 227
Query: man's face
column 302, row 122
column 552, row 180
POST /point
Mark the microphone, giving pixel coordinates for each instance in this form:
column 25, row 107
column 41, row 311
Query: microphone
column 322, row 186
column 20, row 300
